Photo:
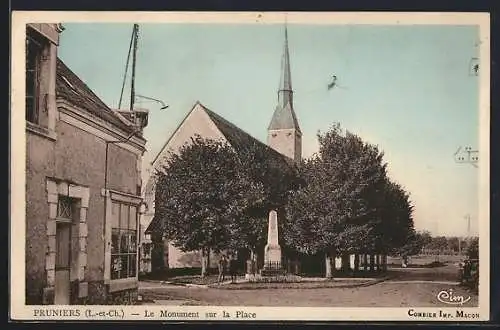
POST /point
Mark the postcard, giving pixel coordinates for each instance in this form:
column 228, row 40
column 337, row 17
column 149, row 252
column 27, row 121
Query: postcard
column 241, row 166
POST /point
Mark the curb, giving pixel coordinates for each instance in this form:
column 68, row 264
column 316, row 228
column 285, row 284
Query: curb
column 369, row 282
column 424, row 282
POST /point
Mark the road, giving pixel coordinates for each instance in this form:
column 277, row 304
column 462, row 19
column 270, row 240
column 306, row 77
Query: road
column 409, row 287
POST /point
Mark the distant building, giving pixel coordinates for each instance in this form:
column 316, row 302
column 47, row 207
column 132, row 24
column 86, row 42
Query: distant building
column 83, row 184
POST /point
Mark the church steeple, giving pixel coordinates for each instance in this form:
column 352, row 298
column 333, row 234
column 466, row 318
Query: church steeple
column 284, row 133
column 285, row 92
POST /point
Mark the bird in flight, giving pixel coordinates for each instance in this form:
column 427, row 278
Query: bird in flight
column 333, row 83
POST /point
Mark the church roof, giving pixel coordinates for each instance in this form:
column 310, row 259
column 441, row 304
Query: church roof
column 284, row 118
column 241, row 140
column 72, row 89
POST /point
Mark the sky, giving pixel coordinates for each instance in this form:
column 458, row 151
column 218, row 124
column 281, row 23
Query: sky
column 407, row 89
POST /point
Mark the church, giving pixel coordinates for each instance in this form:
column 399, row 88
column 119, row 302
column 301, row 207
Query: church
column 284, row 142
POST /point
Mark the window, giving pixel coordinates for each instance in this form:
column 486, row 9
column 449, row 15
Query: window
column 65, row 208
column 34, row 49
column 123, row 240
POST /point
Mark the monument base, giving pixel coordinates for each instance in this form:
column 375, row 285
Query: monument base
column 272, row 272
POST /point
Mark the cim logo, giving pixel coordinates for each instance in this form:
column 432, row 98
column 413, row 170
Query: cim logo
column 447, row 297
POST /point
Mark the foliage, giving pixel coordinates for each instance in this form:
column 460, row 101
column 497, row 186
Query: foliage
column 277, row 176
column 473, row 249
column 201, row 191
column 211, row 196
column 347, row 203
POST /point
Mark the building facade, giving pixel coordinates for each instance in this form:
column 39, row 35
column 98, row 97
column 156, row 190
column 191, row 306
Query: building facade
column 83, row 183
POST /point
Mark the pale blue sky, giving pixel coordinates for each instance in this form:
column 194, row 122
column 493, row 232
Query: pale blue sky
column 405, row 88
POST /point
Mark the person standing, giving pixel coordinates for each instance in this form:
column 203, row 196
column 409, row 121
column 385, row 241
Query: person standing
column 222, row 268
column 233, row 269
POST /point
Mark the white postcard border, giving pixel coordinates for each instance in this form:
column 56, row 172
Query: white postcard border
column 20, row 311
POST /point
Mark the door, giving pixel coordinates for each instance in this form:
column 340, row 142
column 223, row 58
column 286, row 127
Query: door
column 63, row 263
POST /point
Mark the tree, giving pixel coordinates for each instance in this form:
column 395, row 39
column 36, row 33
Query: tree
column 473, row 249
column 454, row 244
column 202, row 190
column 394, row 229
column 277, row 176
column 438, row 243
column 414, row 243
column 426, row 238
column 337, row 210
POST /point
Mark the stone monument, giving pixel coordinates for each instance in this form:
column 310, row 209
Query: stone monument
column 272, row 250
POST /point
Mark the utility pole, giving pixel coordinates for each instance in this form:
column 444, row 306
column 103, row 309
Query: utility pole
column 467, row 217
column 135, row 35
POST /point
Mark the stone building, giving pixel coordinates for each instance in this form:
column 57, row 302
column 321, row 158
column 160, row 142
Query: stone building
column 83, row 184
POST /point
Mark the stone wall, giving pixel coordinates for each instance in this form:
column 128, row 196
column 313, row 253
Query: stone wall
column 39, row 164
column 286, row 141
column 71, row 165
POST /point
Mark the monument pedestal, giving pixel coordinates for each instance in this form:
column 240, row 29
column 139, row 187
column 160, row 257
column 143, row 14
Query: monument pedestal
column 272, row 250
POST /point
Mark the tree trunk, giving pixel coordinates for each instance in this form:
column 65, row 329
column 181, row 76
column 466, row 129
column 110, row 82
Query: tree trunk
column 365, row 262
column 204, row 261
column 384, row 262
column 346, row 262
column 372, row 262
column 378, row 262
column 252, row 264
column 328, row 265
column 356, row 262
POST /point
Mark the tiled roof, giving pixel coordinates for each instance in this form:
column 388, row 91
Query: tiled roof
column 284, row 118
column 241, row 140
column 71, row 88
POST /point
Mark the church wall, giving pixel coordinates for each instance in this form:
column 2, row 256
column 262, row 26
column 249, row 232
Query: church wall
column 286, row 142
column 197, row 122
column 179, row 259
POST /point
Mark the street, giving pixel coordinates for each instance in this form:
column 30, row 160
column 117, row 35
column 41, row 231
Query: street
column 406, row 287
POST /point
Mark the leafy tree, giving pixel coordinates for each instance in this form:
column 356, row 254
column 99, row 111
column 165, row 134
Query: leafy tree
column 426, row 238
column 393, row 229
column 278, row 176
column 337, row 209
column 453, row 244
column 413, row 246
column 473, row 249
column 438, row 243
column 201, row 191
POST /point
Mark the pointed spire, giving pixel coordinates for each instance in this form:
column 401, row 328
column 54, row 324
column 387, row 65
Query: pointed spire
column 284, row 115
column 285, row 92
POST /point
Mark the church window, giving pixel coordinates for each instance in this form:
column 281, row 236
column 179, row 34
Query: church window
column 123, row 240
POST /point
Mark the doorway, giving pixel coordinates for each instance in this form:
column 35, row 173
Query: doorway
column 63, row 263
